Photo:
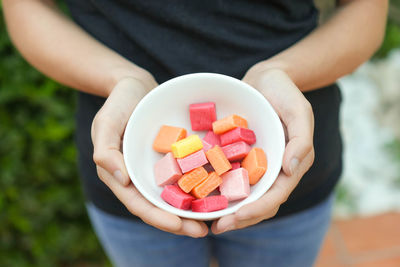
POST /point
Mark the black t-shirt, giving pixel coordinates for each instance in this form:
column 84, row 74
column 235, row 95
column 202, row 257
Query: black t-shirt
column 176, row 37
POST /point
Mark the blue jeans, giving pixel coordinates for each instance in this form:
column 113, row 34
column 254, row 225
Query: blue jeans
column 292, row 241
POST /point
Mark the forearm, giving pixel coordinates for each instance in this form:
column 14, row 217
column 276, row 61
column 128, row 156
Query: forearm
column 336, row 48
column 62, row 50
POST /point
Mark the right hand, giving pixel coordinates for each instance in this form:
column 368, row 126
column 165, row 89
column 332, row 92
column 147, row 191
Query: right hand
column 107, row 132
column 297, row 117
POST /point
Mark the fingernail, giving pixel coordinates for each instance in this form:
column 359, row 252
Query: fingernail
column 118, row 175
column 294, row 163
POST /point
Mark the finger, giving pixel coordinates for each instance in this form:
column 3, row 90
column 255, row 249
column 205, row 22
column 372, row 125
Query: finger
column 110, row 157
column 249, row 222
column 293, row 109
column 300, row 131
column 109, row 125
column 167, row 222
column 232, row 222
column 267, row 205
column 141, row 207
column 297, row 117
column 193, row 228
column 224, row 224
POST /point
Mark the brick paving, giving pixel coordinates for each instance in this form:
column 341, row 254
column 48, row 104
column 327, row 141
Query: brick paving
column 363, row 242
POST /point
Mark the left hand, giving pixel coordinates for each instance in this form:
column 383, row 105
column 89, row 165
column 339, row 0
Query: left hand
column 297, row 117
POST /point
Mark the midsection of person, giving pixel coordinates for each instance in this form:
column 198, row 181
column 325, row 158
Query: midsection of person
column 171, row 38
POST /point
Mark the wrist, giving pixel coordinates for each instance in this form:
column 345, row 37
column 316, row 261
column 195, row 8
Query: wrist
column 265, row 73
column 270, row 66
column 136, row 74
column 275, row 65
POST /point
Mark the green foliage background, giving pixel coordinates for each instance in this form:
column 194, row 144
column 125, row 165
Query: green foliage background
column 42, row 215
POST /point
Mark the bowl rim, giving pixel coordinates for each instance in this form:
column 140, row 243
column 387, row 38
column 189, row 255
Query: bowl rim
column 188, row 213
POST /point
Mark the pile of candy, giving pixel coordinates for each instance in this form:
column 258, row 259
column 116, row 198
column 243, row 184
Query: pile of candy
column 193, row 168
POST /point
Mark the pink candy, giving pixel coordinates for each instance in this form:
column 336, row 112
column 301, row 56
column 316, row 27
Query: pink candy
column 192, row 161
column 212, row 138
column 174, row 196
column 206, row 145
column 233, row 138
column 238, row 134
column 235, row 184
column 208, row 204
column 202, row 115
column 236, row 151
column 166, row 170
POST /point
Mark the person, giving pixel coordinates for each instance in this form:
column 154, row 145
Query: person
column 115, row 52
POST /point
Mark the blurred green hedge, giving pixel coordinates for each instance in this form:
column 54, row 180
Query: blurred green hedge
column 392, row 35
column 42, row 215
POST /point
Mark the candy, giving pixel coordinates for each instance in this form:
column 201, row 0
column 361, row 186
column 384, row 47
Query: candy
column 167, row 135
column 228, row 123
column 207, row 186
column 238, row 134
column 235, row 184
column 186, row 146
column 212, row 138
column 236, row 151
column 195, row 168
column 192, row 178
column 218, row 160
column 202, row 115
column 206, row 145
column 235, row 165
column 208, row 204
column 192, row 161
column 173, row 195
column 256, row 164
column 166, row 170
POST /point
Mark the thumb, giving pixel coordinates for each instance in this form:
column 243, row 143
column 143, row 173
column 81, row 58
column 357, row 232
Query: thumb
column 106, row 152
column 300, row 129
column 109, row 125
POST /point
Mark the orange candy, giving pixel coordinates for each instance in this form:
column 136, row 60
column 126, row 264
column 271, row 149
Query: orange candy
column 256, row 164
column 207, row 186
column 192, row 178
column 218, row 160
column 166, row 137
column 228, row 123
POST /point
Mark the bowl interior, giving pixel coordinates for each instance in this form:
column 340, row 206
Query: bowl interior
column 169, row 104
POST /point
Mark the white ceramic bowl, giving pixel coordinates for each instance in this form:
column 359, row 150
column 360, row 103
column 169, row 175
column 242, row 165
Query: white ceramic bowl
column 169, row 104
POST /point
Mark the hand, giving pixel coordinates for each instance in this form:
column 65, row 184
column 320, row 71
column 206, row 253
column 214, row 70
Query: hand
column 297, row 117
column 107, row 131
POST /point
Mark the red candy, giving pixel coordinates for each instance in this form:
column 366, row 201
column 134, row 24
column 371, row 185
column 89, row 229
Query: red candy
column 202, row 115
column 236, row 135
column 236, row 151
column 235, row 165
column 173, row 195
column 208, row 204
column 226, row 143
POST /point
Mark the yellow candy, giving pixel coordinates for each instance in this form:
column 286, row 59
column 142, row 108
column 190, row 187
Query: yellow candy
column 186, row 146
